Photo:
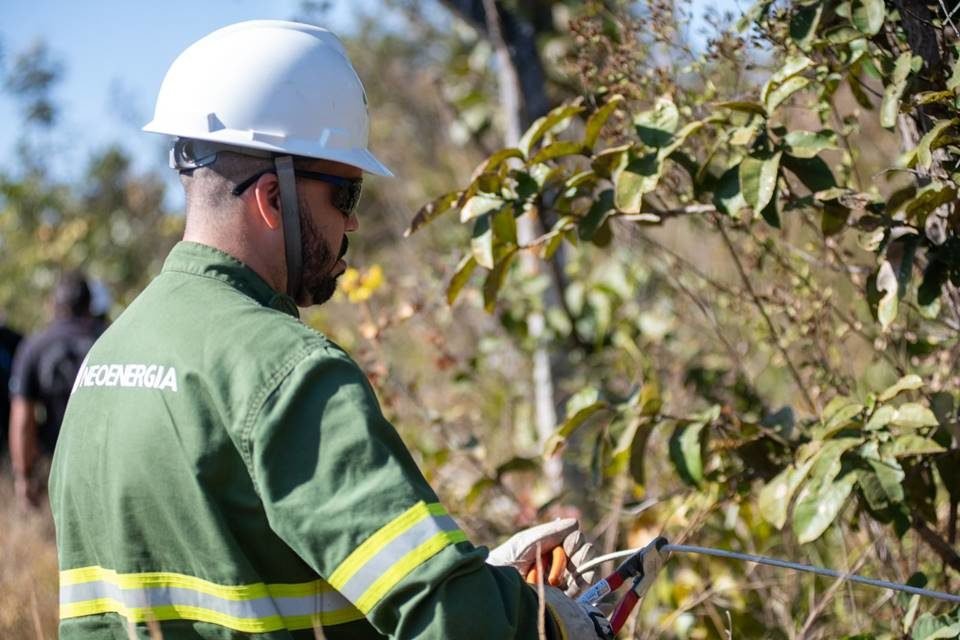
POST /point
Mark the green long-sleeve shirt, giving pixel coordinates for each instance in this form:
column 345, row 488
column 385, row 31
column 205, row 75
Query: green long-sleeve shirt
column 226, row 471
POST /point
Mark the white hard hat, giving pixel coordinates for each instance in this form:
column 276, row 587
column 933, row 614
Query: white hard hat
column 275, row 86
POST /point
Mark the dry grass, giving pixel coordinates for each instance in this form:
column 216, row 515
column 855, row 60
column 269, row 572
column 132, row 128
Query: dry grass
column 28, row 569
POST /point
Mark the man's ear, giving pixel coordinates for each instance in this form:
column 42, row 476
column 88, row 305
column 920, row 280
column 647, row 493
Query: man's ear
column 266, row 195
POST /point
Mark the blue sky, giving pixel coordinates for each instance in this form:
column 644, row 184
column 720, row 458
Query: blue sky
column 115, row 54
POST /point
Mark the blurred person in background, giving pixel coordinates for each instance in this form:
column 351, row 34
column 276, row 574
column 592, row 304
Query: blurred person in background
column 101, row 301
column 9, row 339
column 44, row 369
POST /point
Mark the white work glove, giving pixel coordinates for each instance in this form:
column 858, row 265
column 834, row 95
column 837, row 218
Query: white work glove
column 576, row 621
column 520, row 551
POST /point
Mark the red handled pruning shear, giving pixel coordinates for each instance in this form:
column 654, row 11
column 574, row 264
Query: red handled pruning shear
column 642, row 567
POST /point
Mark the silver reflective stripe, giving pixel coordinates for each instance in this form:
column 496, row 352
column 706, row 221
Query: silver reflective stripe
column 258, row 608
column 409, row 540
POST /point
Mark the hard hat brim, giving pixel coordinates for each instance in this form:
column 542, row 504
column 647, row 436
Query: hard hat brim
column 359, row 158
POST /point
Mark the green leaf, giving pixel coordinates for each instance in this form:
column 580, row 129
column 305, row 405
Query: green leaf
column 481, row 243
column 431, row 211
column 638, row 177
column 558, row 150
column 880, row 418
column 804, row 23
column 638, row 453
column 599, row 118
column 610, row 161
column 504, row 225
column 543, row 125
column 929, row 97
column 777, row 96
column 495, row 279
column 930, row 627
column 910, row 382
column 685, row 451
column 727, row 197
column 791, row 67
column 758, row 179
column 599, row 211
column 744, row 106
column 914, row 416
column 775, row 496
column 818, row 505
column 782, row 81
column 892, row 93
column 929, row 141
column 650, row 400
column 807, row 144
column 461, row 277
column 888, row 286
column 882, row 486
column 840, row 419
column 580, row 408
column 493, row 163
column 910, row 445
column 687, row 442
column 833, row 218
column 814, row 172
column 928, row 199
column 478, row 206
column 867, row 16
column 656, row 126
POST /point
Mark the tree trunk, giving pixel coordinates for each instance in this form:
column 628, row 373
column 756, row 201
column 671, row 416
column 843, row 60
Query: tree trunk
column 522, row 85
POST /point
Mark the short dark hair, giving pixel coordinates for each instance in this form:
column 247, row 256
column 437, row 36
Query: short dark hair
column 71, row 297
column 211, row 186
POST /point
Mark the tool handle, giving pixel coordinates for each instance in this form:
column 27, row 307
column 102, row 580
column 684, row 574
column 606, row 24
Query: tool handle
column 594, row 594
column 623, row 610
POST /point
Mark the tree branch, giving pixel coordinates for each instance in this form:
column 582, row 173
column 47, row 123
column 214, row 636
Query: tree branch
column 520, row 38
column 943, row 548
column 774, row 333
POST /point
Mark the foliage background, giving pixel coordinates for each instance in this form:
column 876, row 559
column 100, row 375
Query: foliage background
column 732, row 259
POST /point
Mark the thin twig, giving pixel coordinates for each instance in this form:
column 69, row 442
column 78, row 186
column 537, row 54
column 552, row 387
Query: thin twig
column 774, row 333
column 949, row 16
column 851, row 322
column 835, row 112
column 542, row 606
column 827, row 597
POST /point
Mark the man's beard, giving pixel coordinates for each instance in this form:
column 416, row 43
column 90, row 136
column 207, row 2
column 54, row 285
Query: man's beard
column 318, row 283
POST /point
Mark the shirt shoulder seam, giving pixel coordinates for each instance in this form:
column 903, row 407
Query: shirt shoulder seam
column 312, row 344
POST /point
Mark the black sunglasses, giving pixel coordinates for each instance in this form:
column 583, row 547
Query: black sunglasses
column 345, row 194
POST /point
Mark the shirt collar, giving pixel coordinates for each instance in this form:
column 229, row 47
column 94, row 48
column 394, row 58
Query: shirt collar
column 204, row 260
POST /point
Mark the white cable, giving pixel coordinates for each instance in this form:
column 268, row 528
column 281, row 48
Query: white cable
column 683, row 548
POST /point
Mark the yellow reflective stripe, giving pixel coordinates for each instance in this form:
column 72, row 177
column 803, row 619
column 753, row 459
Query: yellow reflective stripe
column 405, row 565
column 163, row 579
column 96, row 579
column 176, row 612
column 375, row 543
column 199, row 614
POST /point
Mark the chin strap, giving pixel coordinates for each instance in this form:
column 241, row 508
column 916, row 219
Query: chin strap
column 290, row 211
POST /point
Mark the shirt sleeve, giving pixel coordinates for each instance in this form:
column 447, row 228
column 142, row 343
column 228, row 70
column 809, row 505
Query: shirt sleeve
column 341, row 489
column 23, row 373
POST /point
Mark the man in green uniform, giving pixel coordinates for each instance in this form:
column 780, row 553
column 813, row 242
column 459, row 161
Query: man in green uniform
column 224, row 470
